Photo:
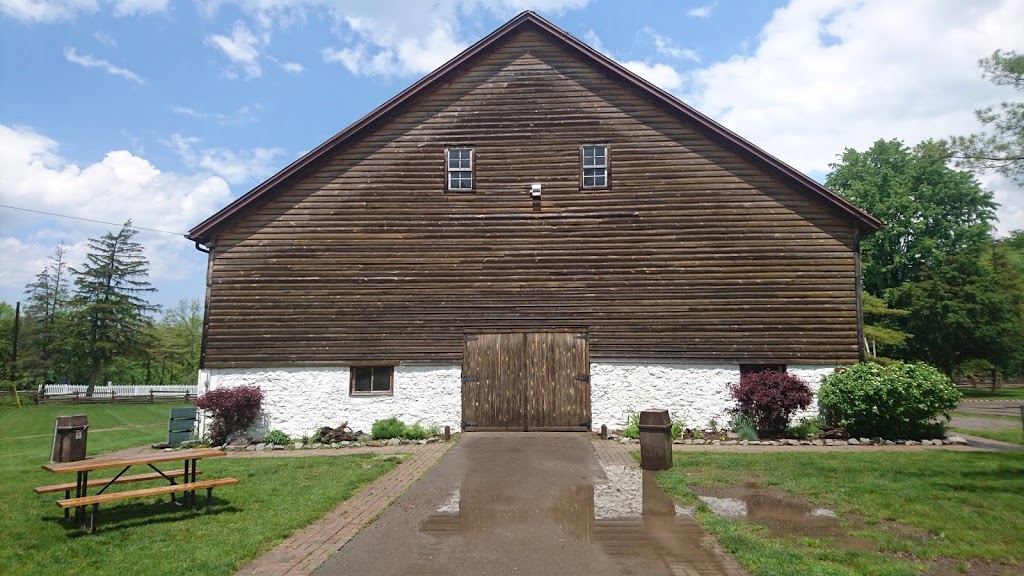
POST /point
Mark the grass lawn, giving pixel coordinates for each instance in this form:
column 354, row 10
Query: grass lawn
column 1013, row 436
column 275, row 497
column 916, row 506
column 984, row 394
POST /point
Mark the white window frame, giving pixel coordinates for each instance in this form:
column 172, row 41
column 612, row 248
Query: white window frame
column 599, row 174
column 458, row 173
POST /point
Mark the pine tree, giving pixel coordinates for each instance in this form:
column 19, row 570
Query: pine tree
column 45, row 309
column 111, row 313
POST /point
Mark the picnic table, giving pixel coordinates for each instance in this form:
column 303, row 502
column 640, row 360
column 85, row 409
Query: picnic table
column 82, row 468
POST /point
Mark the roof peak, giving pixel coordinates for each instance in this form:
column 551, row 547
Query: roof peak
column 204, row 230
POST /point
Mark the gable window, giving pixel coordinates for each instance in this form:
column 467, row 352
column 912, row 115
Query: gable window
column 755, row 368
column 594, row 169
column 371, row 380
column 459, row 162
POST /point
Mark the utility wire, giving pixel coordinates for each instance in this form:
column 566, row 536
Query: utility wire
column 91, row 220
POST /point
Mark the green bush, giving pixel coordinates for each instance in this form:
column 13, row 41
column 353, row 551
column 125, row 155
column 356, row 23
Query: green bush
column 744, row 427
column 417, row 432
column 806, row 428
column 277, row 437
column 677, row 429
column 896, row 402
column 388, row 428
column 632, row 424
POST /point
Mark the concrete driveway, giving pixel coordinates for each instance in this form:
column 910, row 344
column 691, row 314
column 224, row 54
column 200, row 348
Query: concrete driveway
column 532, row 503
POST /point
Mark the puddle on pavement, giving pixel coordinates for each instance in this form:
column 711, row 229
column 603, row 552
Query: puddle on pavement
column 783, row 514
column 626, row 514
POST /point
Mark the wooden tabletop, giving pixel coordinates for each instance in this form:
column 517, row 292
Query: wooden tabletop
column 155, row 458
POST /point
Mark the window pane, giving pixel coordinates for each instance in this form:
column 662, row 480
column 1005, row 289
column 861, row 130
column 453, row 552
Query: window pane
column 364, row 378
column 382, row 379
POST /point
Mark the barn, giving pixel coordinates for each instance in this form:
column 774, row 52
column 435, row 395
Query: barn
column 531, row 237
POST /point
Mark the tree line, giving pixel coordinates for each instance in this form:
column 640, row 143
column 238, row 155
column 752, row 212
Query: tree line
column 938, row 286
column 93, row 323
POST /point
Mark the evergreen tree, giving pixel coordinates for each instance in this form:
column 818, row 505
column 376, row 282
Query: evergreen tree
column 45, row 313
column 110, row 311
column 1001, row 148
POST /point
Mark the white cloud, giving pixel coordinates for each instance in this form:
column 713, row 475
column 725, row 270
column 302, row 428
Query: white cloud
column 827, row 76
column 389, row 37
column 293, row 67
column 701, row 11
column 118, row 187
column 46, row 10
column 235, row 167
column 242, row 48
column 134, row 7
column 666, row 47
column 105, row 39
column 57, row 10
column 661, row 75
column 92, row 62
column 244, row 115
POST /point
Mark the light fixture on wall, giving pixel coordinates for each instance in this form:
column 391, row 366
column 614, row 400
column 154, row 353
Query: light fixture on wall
column 535, row 191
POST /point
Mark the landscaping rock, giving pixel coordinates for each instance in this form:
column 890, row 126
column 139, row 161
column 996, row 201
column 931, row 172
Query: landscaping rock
column 297, row 446
column 805, row 443
column 818, row 443
column 250, row 448
column 421, row 442
column 790, row 442
column 830, row 442
column 374, row 443
column 864, row 440
column 853, row 442
column 730, row 443
column 434, row 440
column 835, row 434
column 732, row 435
column 876, row 440
column 698, row 441
column 960, row 440
column 276, row 447
column 393, row 442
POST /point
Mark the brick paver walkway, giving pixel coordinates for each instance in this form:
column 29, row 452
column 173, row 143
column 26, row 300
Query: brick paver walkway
column 614, row 453
column 308, row 548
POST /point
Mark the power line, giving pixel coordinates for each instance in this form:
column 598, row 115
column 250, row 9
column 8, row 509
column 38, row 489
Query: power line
column 91, row 220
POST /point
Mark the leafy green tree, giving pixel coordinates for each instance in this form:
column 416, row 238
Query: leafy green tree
column 968, row 307
column 880, row 325
column 930, row 210
column 1001, row 148
column 181, row 330
column 45, row 314
column 6, row 339
column 110, row 311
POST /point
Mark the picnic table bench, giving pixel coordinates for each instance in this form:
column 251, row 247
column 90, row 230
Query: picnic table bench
column 82, row 499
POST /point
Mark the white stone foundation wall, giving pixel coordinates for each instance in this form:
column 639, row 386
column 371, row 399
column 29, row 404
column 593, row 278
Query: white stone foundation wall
column 299, row 400
column 694, row 392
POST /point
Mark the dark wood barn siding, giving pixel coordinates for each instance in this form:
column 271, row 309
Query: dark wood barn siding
column 694, row 254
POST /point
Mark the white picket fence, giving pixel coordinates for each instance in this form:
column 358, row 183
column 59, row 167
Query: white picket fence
column 118, row 390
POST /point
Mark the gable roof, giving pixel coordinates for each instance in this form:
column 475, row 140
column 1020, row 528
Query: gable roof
column 203, row 231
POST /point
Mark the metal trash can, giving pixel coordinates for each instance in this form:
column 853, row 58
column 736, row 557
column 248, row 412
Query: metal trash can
column 70, row 434
column 655, row 440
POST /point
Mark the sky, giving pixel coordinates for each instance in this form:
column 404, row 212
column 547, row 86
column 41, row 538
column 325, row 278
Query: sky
column 163, row 112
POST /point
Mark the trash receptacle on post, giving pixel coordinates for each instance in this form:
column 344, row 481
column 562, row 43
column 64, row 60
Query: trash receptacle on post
column 655, row 440
column 69, row 438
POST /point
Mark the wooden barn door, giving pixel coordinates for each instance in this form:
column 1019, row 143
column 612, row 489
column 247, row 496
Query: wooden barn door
column 517, row 381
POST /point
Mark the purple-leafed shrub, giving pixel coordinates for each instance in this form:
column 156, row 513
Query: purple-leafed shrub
column 770, row 398
column 232, row 409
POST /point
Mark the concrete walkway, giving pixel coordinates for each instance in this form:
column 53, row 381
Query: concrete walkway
column 533, row 503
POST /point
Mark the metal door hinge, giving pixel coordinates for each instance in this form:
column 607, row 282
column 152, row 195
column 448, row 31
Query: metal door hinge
column 583, row 337
column 468, row 379
column 469, row 337
column 583, row 378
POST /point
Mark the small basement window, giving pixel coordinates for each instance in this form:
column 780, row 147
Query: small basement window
column 371, row 380
column 755, row 368
column 459, row 162
column 594, row 168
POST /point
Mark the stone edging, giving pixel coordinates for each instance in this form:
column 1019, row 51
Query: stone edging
column 948, row 441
